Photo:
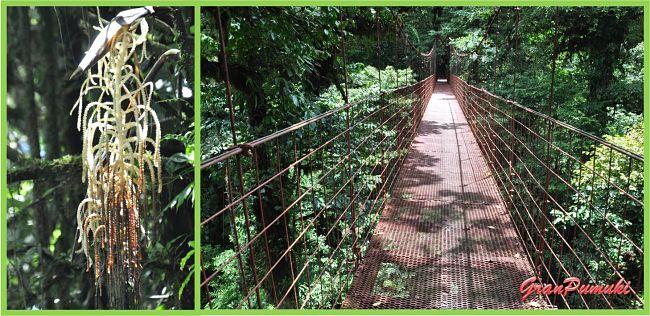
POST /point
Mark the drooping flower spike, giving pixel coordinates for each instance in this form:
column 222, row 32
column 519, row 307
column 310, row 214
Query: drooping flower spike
column 121, row 147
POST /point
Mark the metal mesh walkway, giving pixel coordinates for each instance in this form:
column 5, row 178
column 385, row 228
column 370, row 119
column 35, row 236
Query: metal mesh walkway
column 445, row 240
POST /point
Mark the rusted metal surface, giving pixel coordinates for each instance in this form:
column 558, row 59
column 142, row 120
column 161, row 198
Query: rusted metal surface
column 292, row 211
column 331, row 212
column 445, row 238
column 322, row 158
column 568, row 227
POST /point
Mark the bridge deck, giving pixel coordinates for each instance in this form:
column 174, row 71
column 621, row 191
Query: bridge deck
column 445, row 240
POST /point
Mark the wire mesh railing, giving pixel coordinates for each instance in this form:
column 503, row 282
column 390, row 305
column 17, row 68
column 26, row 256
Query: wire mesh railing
column 296, row 208
column 576, row 199
column 290, row 212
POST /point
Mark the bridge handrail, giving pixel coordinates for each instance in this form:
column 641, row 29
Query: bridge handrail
column 235, row 150
column 570, row 127
column 536, row 204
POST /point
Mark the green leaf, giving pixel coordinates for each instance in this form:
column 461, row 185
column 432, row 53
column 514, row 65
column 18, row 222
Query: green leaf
column 180, row 198
column 187, row 257
column 185, row 282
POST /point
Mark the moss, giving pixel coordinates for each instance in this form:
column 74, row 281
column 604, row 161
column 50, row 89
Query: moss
column 32, row 169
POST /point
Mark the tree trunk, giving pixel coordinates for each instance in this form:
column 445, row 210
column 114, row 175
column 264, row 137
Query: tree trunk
column 73, row 52
column 42, row 222
column 28, row 84
column 53, row 109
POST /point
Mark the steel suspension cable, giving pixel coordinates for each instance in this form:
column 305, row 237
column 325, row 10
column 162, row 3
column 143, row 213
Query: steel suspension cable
column 477, row 51
column 343, row 54
column 511, row 158
column 240, row 171
column 549, row 113
column 517, row 40
column 495, row 73
column 347, row 133
column 396, row 54
column 378, row 48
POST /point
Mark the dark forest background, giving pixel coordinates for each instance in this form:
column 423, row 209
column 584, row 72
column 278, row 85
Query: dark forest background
column 46, row 268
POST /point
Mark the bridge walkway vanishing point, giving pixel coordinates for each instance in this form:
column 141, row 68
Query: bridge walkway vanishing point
column 445, row 239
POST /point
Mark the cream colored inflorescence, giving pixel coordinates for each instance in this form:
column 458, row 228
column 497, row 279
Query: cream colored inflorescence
column 121, row 153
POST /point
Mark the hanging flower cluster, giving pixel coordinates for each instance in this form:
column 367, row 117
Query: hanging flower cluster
column 121, row 152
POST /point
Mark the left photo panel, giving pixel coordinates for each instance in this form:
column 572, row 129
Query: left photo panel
column 100, row 151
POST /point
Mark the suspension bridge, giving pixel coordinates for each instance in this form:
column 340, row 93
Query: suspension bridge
column 446, row 227
column 434, row 195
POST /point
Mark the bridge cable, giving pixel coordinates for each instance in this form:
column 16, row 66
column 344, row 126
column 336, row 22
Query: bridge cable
column 549, row 113
column 517, row 39
column 343, row 54
column 240, row 171
column 477, row 50
column 378, row 48
column 355, row 249
column 224, row 60
column 395, row 17
column 382, row 115
column 496, row 55
column 511, row 158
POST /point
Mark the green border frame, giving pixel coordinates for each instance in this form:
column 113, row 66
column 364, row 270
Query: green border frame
column 197, row 4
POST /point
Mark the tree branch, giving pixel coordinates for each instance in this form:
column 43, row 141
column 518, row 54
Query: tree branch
column 66, row 166
column 34, row 169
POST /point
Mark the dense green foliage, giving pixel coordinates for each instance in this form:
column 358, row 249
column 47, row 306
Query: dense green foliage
column 286, row 65
column 598, row 87
column 599, row 64
column 325, row 278
column 46, row 268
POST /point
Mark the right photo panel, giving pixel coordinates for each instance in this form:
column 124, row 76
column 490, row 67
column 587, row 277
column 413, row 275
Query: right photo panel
column 422, row 158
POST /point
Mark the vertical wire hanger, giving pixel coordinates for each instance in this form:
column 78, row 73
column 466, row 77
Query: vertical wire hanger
column 378, row 47
column 224, row 56
column 343, row 51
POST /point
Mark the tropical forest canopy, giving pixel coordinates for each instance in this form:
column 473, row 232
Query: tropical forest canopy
column 282, row 59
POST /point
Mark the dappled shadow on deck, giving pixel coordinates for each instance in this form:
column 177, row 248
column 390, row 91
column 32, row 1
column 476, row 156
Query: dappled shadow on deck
column 445, row 239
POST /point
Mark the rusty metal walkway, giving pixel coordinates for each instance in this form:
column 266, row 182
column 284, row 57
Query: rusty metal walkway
column 445, row 239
